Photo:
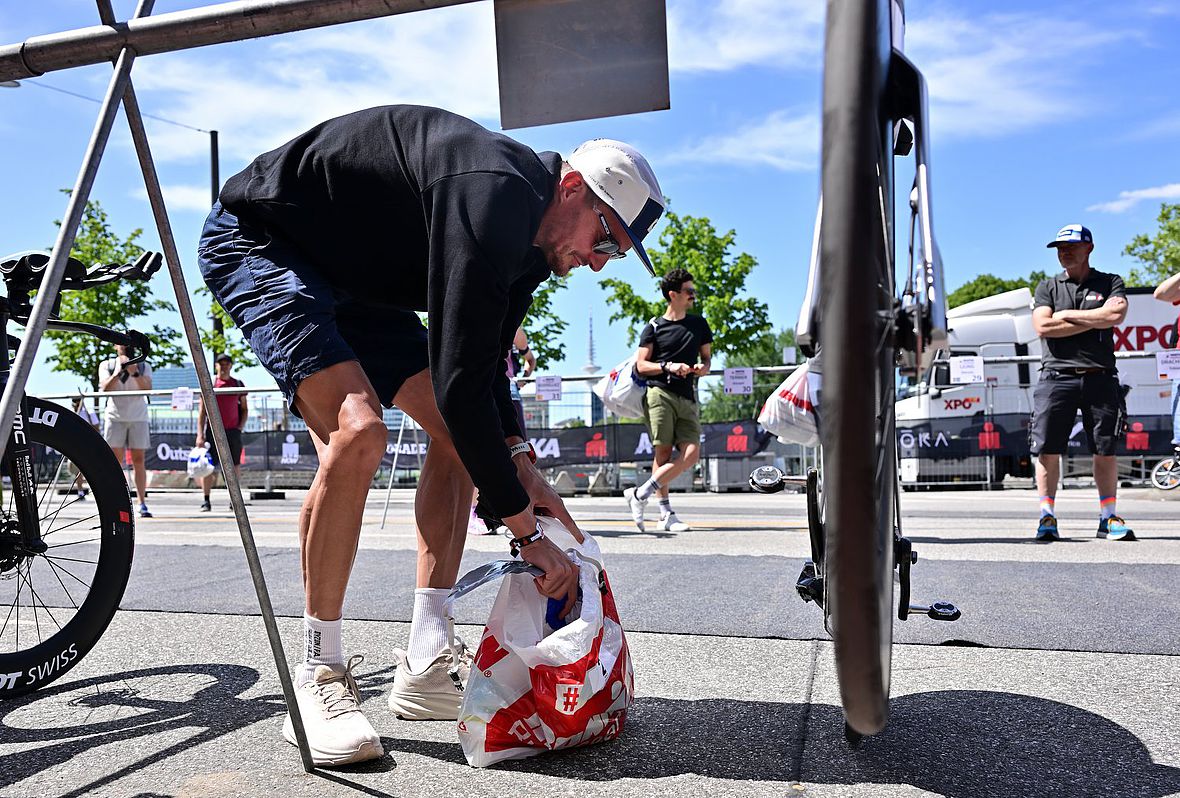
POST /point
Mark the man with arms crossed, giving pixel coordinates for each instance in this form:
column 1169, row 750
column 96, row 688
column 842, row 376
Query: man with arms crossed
column 1074, row 312
column 674, row 350
column 321, row 251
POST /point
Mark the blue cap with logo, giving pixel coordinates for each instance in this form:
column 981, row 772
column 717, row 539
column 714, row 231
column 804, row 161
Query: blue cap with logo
column 1072, row 234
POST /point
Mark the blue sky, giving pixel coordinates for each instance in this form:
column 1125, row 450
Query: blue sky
column 1043, row 114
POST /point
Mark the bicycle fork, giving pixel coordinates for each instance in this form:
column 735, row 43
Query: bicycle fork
column 18, row 464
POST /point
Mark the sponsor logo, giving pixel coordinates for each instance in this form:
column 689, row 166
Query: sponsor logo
column 644, row 445
column 167, row 453
column 965, row 403
column 921, row 440
column 18, row 429
column 46, row 418
column 58, row 662
column 404, row 449
column 8, row 680
column 546, row 448
column 1139, row 336
column 596, row 446
column 737, row 440
column 290, row 454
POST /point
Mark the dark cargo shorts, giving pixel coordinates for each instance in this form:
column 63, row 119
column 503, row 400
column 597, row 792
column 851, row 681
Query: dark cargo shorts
column 1059, row 396
column 295, row 321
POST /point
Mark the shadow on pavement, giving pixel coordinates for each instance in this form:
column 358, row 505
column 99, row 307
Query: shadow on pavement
column 962, row 744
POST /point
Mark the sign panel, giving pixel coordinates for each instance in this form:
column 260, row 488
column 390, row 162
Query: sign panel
column 549, row 388
column 739, row 381
column 966, row 370
column 182, row 398
column 1168, row 364
column 561, row 60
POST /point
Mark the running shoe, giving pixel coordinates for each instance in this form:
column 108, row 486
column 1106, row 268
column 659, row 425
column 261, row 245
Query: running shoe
column 1116, row 528
column 670, row 523
column 206, row 506
column 337, row 731
column 434, row 694
column 637, row 506
column 144, row 512
column 1047, row 529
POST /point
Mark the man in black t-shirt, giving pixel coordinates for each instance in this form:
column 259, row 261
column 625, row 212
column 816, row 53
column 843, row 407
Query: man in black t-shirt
column 674, row 349
column 322, row 251
column 1073, row 313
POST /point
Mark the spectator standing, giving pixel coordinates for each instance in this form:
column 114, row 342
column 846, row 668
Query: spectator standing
column 126, row 420
column 1169, row 291
column 91, row 418
column 233, row 409
column 298, row 252
column 1074, row 312
column 674, row 349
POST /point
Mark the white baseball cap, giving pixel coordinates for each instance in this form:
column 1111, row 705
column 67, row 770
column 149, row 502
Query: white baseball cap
column 622, row 178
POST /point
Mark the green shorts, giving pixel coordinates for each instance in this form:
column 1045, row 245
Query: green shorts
column 671, row 418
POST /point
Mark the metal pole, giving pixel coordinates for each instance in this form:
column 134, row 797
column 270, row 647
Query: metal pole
column 215, row 182
column 184, row 30
column 396, row 451
column 51, row 282
column 212, row 411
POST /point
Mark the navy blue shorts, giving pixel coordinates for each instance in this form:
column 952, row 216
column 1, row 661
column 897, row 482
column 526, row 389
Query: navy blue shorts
column 1057, row 399
column 294, row 320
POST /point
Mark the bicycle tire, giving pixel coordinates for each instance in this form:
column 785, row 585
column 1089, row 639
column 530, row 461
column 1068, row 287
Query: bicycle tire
column 815, row 522
column 856, row 312
column 50, row 585
column 1166, row 474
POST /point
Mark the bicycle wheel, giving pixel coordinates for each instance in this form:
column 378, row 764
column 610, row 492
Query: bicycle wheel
column 1166, row 474
column 857, row 298
column 54, row 606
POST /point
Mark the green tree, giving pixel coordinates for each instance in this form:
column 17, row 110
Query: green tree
column 229, row 340
column 543, row 326
column 986, row 285
column 719, row 276
column 767, row 350
column 1159, row 254
column 116, row 305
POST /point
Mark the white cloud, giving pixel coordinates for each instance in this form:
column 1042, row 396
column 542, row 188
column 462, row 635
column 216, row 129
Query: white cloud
column 711, row 36
column 181, row 198
column 996, row 74
column 261, row 93
column 1129, row 199
column 789, row 143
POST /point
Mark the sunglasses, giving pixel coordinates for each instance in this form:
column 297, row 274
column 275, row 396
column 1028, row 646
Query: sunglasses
column 608, row 246
column 690, row 291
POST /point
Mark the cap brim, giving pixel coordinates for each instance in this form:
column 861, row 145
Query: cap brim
column 637, row 248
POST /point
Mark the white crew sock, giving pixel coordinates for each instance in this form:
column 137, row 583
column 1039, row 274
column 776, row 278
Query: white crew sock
column 645, row 490
column 321, row 646
column 428, row 628
column 665, row 508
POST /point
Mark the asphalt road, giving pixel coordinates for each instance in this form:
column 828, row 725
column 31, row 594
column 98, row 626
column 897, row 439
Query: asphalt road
column 1061, row 679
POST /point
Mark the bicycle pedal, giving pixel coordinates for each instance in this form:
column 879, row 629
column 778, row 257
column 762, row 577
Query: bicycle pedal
column 938, row 611
column 810, row 586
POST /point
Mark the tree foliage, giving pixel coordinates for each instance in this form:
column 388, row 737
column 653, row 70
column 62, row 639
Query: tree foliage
column 229, row 340
column 766, row 350
column 1159, row 254
column 546, row 329
column 117, row 305
column 986, row 285
column 719, row 276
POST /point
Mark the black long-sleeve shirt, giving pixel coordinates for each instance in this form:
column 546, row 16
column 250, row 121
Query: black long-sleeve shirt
column 420, row 209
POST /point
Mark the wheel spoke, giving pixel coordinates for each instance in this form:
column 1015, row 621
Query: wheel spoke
column 57, row 571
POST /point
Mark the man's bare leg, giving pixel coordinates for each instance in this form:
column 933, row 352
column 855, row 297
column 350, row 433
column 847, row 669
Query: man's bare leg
column 139, row 469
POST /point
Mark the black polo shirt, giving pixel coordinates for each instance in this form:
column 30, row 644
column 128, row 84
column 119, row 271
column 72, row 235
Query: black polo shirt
column 676, row 342
column 1089, row 349
column 420, row 209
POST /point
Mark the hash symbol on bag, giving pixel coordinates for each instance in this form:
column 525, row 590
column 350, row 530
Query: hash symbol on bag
column 567, row 699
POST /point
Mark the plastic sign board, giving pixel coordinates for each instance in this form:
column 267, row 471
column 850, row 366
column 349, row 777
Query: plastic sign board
column 739, row 381
column 966, row 370
column 549, row 388
column 182, row 398
column 561, row 60
column 1168, row 364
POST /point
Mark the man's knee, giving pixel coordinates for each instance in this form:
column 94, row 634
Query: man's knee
column 358, row 442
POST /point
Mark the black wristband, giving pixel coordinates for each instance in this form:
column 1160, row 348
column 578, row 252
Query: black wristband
column 516, row 544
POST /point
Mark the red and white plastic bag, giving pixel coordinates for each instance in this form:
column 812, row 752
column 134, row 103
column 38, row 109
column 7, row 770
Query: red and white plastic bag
column 789, row 412
column 534, row 688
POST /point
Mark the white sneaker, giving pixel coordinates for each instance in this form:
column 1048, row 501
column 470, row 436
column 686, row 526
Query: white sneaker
column 337, row 731
column 670, row 523
column 636, row 504
column 434, row 694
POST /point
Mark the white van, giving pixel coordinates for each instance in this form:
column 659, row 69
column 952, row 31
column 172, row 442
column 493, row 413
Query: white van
column 945, row 431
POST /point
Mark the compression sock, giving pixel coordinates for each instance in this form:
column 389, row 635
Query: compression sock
column 665, row 507
column 1047, row 503
column 1106, row 503
column 645, row 490
column 321, row 646
column 428, row 628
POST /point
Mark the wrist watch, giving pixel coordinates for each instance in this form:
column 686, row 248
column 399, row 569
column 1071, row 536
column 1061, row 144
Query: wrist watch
column 522, row 447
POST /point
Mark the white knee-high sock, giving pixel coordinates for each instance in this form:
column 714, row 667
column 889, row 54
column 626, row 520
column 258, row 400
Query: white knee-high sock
column 321, row 646
column 428, row 628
